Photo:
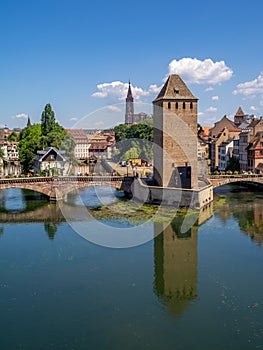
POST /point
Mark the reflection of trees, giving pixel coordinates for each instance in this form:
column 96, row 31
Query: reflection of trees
column 51, row 229
column 246, row 206
column 175, row 262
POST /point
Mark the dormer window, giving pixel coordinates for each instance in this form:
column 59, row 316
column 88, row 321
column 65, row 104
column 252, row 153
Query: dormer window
column 176, row 91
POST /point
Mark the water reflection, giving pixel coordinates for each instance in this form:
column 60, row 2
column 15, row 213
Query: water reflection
column 243, row 204
column 175, row 266
column 51, row 229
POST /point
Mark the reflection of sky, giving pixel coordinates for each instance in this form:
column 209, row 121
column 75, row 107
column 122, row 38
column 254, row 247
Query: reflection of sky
column 93, row 197
column 13, row 199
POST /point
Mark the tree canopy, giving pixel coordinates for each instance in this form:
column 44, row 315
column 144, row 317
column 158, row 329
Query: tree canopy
column 39, row 136
column 135, row 141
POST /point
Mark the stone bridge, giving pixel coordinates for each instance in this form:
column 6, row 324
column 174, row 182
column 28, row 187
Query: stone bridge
column 57, row 187
column 220, row 180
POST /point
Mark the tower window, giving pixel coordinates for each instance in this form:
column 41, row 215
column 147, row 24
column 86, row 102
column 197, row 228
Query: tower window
column 176, row 105
column 191, row 105
column 169, row 105
column 183, row 105
column 176, row 91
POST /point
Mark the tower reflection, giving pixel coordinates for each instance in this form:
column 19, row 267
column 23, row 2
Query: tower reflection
column 175, row 262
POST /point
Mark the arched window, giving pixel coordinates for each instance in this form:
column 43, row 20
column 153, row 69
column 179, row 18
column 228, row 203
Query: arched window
column 191, row 105
column 176, row 105
column 183, row 105
column 169, row 105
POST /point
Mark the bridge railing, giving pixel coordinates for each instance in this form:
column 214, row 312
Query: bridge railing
column 89, row 178
column 235, row 176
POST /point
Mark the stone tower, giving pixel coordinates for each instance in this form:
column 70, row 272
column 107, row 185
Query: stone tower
column 175, row 135
column 129, row 107
column 239, row 117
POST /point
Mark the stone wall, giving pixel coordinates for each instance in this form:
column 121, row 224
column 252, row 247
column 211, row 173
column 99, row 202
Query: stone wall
column 188, row 198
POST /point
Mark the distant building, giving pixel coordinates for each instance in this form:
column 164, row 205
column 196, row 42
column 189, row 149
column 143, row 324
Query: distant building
column 225, row 152
column 50, row 160
column 255, row 153
column 130, row 116
column 239, row 117
column 101, row 144
column 82, row 147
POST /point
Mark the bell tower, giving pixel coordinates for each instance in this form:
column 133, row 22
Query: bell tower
column 129, row 107
column 175, row 135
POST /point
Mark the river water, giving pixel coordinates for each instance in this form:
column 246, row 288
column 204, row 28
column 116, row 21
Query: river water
column 199, row 289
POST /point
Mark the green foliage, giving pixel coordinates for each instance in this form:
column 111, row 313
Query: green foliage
column 68, row 145
column 39, row 136
column 137, row 137
column 233, row 164
column 47, row 120
column 13, row 137
column 121, row 132
column 132, row 153
column 29, row 144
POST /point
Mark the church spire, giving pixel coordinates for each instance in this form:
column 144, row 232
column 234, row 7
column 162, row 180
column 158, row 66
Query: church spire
column 28, row 121
column 129, row 107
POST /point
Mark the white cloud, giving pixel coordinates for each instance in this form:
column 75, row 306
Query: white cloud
column 215, row 98
column 253, row 108
column 250, row 88
column 261, row 103
column 210, row 88
column 154, row 89
column 99, row 123
column 73, row 119
column 117, row 90
column 195, row 71
column 114, row 108
column 20, row 116
column 211, row 109
column 200, row 114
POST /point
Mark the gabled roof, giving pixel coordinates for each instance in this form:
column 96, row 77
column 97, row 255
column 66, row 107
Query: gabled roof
column 254, row 142
column 44, row 153
column 175, row 89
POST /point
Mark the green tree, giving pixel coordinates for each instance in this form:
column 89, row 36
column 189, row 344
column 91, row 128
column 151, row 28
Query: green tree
column 13, row 137
column 68, row 145
column 121, row 132
column 233, row 164
column 47, row 120
column 29, row 144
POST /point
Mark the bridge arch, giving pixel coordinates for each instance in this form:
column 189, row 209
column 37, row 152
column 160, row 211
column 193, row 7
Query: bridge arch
column 221, row 180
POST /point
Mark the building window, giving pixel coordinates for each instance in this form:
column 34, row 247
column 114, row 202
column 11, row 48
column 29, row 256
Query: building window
column 176, row 105
column 183, row 105
column 191, row 105
column 169, row 105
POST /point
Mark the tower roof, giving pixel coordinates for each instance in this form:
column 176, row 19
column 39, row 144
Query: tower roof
column 175, row 89
column 129, row 94
column 239, row 112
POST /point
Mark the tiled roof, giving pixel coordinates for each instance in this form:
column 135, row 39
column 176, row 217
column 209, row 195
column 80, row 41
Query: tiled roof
column 175, row 89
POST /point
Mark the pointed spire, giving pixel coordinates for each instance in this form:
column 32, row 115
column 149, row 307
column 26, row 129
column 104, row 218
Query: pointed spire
column 28, row 121
column 129, row 94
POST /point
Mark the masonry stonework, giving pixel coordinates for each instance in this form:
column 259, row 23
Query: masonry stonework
column 175, row 135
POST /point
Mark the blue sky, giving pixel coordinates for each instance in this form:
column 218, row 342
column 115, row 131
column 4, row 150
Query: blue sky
column 79, row 55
